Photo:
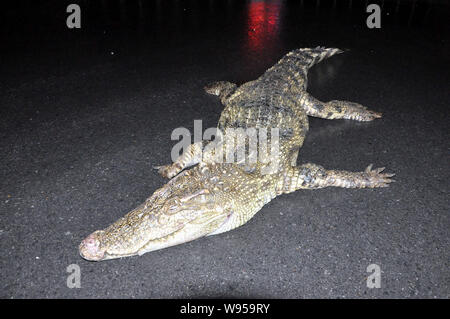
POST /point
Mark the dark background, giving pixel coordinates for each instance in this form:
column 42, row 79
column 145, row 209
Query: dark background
column 86, row 113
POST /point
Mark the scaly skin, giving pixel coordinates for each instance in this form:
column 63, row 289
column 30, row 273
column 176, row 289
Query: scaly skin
column 215, row 197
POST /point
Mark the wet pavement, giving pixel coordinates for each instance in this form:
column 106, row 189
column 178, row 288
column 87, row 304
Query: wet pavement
column 85, row 115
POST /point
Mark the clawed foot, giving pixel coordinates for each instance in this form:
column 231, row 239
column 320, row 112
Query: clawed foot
column 167, row 171
column 376, row 178
column 361, row 113
column 354, row 111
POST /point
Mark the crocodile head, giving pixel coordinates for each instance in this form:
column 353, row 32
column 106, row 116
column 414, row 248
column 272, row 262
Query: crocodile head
column 180, row 211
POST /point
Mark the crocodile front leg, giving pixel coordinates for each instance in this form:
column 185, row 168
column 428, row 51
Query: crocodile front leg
column 191, row 156
column 222, row 89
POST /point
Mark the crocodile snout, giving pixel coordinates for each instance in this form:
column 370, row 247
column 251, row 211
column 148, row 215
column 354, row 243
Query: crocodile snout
column 90, row 248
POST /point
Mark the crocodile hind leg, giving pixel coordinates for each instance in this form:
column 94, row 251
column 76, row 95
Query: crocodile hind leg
column 312, row 176
column 191, row 156
column 337, row 109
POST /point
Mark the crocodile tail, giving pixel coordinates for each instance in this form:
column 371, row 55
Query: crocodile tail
column 312, row 56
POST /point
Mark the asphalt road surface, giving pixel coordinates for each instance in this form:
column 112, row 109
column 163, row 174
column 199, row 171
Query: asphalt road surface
column 86, row 113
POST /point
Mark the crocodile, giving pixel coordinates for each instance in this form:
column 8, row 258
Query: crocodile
column 205, row 196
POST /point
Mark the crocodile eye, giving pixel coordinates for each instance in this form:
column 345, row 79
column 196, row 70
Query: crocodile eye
column 195, row 194
column 173, row 209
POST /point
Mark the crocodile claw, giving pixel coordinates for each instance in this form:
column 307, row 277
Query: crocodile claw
column 167, row 171
column 376, row 178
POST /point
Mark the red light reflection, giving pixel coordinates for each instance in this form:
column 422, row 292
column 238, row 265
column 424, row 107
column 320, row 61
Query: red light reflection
column 263, row 21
